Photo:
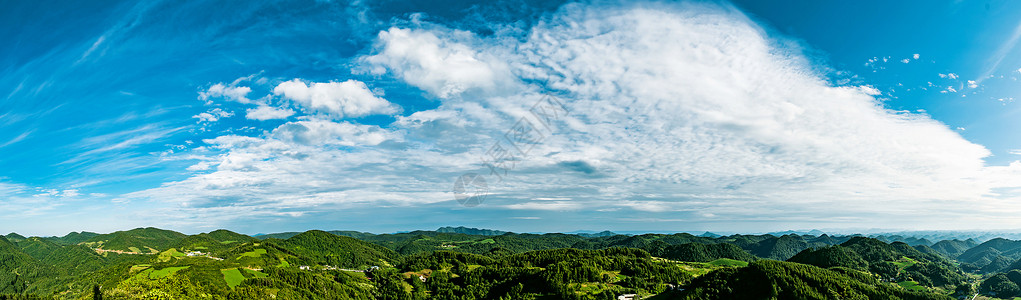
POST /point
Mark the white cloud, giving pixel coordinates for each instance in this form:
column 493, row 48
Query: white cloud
column 322, row 132
column 439, row 62
column 661, row 100
column 972, row 84
column 905, row 60
column 213, row 115
column 870, row 90
column 916, row 56
column 350, row 98
column 265, row 112
column 229, row 92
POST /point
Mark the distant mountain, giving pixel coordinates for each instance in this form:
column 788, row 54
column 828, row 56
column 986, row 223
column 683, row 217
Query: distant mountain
column 355, row 234
column 471, row 231
column 703, row 252
column 995, row 250
column 604, row 233
column 279, row 235
column 14, row 237
column 143, row 240
column 953, row 248
column 813, row 232
column 214, row 241
column 779, row 248
column 72, row 238
column 709, row 235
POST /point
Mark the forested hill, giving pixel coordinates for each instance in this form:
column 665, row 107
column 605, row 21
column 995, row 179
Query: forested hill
column 470, row 263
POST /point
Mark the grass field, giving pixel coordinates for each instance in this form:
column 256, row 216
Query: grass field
column 150, row 273
column 137, row 268
column 257, row 275
column 911, row 285
column 726, row 262
column 156, row 274
column 283, row 263
column 904, row 262
column 232, row 276
column 255, row 253
column 170, row 253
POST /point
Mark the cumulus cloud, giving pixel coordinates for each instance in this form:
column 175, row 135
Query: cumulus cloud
column 440, row 62
column 350, row 98
column 688, row 109
column 915, row 56
column 265, row 112
column 229, row 92
column 213, row 115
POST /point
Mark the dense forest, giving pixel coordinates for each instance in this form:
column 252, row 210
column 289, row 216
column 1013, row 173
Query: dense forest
column 469, row 263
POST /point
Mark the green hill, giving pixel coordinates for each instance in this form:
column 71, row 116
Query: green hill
column 73, row 238
column 768, row 279
column 214, row 242
column 985, row 253
column 14, row 237
column 142, row 240
column 339, row 251
column 780, row 248
column 897, row 262
column 17, row 269
column 953, row 248
column 67, row 259
column 696, row 252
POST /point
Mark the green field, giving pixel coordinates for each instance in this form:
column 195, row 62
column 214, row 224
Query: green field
column 152, row 273
column 165, row 272
column 255, row 253
column 257, row 274
column 726, row 262
column 911, row 285
column 904, row 262
column 170, row 253
column 232, row 276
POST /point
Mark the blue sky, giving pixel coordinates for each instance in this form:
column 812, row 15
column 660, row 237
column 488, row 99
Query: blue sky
column 266, row 116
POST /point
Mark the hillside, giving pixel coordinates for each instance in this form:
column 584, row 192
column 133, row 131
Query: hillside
column 767, row 279
column 322, row 265
column 72, row 238
column 895, row 262
column 340, row 251
column 953, row 248
column 139, row 240
column 14, row 237
column 215, row 241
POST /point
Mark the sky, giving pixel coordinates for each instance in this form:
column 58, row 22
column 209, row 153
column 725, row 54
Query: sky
column 744, row 116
